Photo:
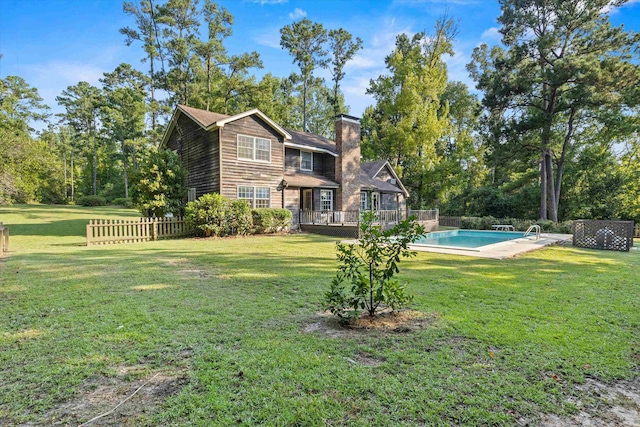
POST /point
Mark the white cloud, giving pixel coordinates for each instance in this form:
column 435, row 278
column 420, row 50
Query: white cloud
column 297, row 14
column 492, row 34
column 611, row 9
column 67, row 72
column 269, row 37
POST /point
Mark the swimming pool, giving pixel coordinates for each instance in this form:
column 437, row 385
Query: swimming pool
column 468, row 239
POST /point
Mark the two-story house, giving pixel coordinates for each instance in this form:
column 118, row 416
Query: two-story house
column 249, row 156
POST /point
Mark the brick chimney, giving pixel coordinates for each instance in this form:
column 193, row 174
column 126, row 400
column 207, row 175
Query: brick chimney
column 348, row 162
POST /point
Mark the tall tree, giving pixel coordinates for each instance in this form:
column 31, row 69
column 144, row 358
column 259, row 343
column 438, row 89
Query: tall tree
column 144, row 14
column 180, row 21
column 562, row 60
column 82, row 104
column 124, row 110
column 342, row 49
column 305, row 42
column 409, row 117
column 212, row 52
column 26, row 162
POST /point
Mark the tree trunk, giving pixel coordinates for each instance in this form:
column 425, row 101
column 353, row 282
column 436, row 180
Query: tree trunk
column 565, row 147
column 134, row 158
column 551, row 199
column 304, row 106
column 543, row 187
column 208, row 82
column 153, row 104
column 73, row 188
column 64, row 160
column 124, row 170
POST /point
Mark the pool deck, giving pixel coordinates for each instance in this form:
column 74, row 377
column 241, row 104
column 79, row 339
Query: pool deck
column 501, row 250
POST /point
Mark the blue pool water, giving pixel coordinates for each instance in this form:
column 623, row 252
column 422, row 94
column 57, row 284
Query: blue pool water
column 467, row 238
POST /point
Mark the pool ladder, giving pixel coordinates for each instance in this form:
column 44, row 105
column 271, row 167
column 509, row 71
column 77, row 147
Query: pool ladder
column 533, row 228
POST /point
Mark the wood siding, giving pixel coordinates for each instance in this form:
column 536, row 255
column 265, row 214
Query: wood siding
column 236, row 172
column 198, row 151
column 323, row 164
column 292, row 202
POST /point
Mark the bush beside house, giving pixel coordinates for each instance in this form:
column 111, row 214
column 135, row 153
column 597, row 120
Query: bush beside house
column 215, row 215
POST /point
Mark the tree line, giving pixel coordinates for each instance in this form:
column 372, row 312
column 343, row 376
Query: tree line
column 550, row 132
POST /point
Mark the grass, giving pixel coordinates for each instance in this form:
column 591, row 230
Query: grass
column 509, row 338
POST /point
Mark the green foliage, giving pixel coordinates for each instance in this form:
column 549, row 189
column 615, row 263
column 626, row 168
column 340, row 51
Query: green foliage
column 210, row 214
column 215, row 215
column 160, row 184
column 91, row 201
column 562, row 69
column 365, row 277
column 486, row 223
column 123, row 202
column 271, row 220
column 410, row 118
column 241, row 218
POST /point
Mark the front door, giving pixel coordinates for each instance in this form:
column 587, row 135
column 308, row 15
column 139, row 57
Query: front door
column 375, row 201
column 307, row 199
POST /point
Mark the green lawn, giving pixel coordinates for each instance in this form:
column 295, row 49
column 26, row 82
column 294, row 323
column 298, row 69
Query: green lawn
column 508, row 339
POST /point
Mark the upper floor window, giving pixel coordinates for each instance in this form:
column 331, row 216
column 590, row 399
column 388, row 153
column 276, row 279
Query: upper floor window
column 306, row 160
column 254, row 148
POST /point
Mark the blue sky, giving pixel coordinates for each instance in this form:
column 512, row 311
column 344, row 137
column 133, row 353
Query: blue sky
column 56, row 43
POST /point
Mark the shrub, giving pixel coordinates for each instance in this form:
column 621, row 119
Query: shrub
column 122, row 201
column 160, row 184
column 241, row 218
column 364, row 280
column 271, row 220
column 91, row 201
column 209, row 214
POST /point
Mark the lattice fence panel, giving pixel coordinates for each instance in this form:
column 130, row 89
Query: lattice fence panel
column 603, row 234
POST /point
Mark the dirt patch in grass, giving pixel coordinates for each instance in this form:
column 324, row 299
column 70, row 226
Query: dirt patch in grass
column 610, row 405
column 102, row 394
column 402, row 321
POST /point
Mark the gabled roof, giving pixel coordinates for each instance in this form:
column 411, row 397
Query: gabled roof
column 305, row 140
column 368, row 177
column 208, row 120
column 202, row 117
column 372, row 168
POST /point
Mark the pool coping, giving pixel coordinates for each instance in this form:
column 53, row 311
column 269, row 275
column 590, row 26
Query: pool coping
column 501, row 250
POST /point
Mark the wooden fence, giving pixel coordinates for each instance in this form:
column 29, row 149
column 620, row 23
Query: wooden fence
column 449, row 221
column 110, row 231
column 425, row 215
column 4, row 239
column 636, row 231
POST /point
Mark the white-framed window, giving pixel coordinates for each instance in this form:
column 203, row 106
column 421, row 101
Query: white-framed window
column 306, row 160
column 364, row 200
column 258, row 197
column 262, row 197
column 254, row 148
column 326, row 200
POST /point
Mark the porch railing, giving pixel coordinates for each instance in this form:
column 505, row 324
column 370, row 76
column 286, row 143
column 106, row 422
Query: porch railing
column 428, row 215
column 344, row 217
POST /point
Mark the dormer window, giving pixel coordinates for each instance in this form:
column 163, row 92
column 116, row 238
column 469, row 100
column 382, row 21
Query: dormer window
column 306, row 160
